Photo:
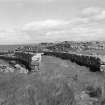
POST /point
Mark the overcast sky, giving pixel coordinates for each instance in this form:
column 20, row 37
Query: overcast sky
column 32, row 21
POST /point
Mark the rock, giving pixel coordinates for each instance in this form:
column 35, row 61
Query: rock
column 11, row 70
column 102, row 68
column 21, row 69
column 84, row 96
column 17, row 66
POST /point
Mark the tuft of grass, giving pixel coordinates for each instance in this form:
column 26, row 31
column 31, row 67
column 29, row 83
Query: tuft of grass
column 33, row 90
column 94, row 91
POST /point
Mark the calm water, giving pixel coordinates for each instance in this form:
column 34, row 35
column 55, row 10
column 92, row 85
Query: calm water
column 4, row 62
column 8, row 47
column 11, row 47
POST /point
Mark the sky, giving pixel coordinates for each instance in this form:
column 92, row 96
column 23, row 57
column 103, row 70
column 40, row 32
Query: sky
column 34, row 21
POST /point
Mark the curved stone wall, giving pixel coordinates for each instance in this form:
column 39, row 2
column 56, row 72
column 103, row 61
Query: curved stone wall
column 93, row 62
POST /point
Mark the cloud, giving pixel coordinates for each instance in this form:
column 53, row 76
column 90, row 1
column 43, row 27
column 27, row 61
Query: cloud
column 37, row 1
column 78, row 33
column 45, row 24
column 89, row 25
column 91, row 11
column 13, row 37
column 40, row 30
column 94, row 13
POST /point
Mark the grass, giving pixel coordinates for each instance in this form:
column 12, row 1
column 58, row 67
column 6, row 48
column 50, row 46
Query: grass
column 27, row 90
column 58, row 83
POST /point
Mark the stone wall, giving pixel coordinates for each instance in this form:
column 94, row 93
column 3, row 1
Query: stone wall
column 93, row 62
column 24, row 58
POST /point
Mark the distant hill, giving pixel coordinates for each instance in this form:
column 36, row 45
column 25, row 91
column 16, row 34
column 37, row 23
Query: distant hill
column 87, row 47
